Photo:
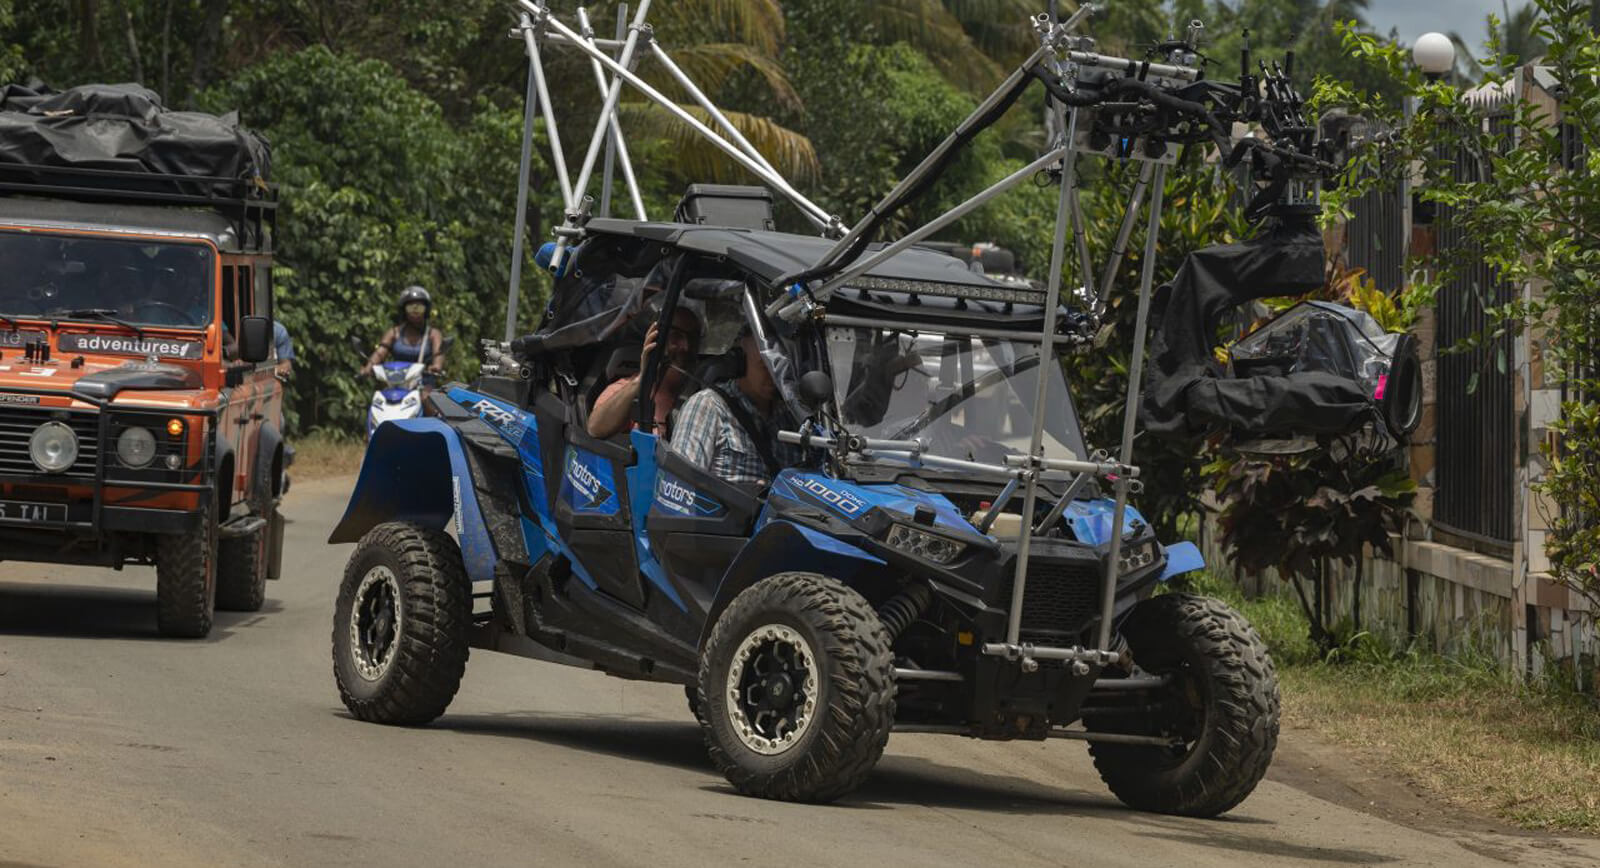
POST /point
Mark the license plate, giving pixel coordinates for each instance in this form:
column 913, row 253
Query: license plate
column 19, row 512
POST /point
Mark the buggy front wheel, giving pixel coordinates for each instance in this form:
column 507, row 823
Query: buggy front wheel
column 1219, row 707
column 797, row 689
column 400, row 625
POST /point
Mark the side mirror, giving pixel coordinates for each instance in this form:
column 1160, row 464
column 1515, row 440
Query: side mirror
column 816, row 389
column 359, row 346
column 255, row 339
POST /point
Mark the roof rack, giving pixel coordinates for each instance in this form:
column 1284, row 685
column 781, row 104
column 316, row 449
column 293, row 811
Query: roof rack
column 250, row 203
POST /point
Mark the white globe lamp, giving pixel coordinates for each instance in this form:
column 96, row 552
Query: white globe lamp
column 1434, row 54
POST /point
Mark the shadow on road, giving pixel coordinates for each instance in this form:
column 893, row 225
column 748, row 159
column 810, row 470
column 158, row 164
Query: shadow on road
column 1224, row 833
column 77, row 611
column 654, row 741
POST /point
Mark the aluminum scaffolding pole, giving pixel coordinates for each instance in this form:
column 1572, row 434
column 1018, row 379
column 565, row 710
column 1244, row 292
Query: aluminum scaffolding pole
column 530, row 108
column 1130, row 411
column 820, row 218
column 616, row 145
column 676, row 110
column 1030, row 489
column 543, row 88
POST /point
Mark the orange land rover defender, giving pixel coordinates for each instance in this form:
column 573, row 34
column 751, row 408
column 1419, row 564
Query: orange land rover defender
column 139, row 407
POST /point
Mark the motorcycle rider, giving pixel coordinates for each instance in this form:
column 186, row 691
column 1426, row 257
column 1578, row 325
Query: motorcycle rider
column 412, row 337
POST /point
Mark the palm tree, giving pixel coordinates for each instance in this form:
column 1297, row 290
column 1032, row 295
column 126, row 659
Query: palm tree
column 1512, row 40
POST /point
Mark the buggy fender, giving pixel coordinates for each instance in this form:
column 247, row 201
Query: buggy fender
column 415, row 470
column 1182, row 558
column 781, row 546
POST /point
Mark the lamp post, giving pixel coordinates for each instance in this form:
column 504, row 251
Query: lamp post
column 1434, row 54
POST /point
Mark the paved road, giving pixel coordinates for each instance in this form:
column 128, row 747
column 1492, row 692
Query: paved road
column 117, row 747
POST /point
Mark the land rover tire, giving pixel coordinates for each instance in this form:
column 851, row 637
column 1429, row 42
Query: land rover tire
column 186, row 579
column 242, row 571
column 797, row 689
column 1221, row 708
column 400, row 625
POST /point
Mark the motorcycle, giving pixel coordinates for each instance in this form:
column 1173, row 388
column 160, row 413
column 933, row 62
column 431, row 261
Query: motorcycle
column 399, row 395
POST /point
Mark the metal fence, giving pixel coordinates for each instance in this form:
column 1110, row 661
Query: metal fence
column 1375, row 236
column 1476, row 445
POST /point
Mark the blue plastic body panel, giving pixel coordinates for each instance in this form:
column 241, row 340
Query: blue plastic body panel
column 1184, row 557
column 415, row 471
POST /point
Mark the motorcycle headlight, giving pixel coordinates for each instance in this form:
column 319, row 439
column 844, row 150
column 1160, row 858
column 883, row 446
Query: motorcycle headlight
column 377, row 401
column 136, row 447
column 53, row 447
column 1137, row 556
column 410, row 400
column 929, row 546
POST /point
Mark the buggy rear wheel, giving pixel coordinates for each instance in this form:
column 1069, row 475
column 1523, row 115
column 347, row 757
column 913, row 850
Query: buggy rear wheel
column 1220, row 706
column 400, row 625
column 797, row 689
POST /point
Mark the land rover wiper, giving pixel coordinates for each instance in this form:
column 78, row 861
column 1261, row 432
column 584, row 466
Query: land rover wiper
column 99, row 313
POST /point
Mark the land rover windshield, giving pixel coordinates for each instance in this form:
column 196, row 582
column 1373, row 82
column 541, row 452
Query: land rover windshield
column 966, row 397
column 69, row 277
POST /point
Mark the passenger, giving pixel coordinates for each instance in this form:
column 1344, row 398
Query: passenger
column 412, row 338
column 614, row 411
column 731, row 428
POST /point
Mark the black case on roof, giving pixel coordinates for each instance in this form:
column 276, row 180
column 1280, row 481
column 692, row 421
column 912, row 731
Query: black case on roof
column 124, row 129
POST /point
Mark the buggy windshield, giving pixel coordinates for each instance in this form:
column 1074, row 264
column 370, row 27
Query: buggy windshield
column 143, row 282
column 967, row 397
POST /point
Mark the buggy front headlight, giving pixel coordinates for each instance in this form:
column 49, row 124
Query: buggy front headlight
column 1136, row 556
column 922, row 544
column 53, row 447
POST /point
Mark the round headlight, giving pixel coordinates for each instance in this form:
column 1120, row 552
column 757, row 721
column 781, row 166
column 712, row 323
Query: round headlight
column 53, row 447
column 136, row 447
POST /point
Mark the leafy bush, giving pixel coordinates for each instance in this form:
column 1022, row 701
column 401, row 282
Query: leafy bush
column 411, row 199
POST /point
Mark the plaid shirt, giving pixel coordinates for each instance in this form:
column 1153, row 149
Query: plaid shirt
column 710, row 436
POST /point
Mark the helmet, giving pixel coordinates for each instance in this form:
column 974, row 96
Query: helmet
column 411, row 295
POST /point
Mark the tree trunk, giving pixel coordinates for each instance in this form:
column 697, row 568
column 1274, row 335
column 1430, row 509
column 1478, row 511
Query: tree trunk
column 1356, row 590
column 89, row 34
column 205, row 45
column 133, row 42
column 166, row 50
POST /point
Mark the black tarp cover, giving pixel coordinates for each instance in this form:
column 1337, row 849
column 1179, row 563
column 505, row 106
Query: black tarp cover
column 1190, row 392
column 124, row 127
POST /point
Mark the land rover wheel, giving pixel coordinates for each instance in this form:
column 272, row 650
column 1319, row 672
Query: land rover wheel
column 186, row 579
column 242, row 571
column 400, row 625
column 797, row 689
column 1219, row 707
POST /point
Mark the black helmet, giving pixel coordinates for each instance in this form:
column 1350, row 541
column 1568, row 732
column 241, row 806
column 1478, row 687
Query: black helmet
column 413, row 294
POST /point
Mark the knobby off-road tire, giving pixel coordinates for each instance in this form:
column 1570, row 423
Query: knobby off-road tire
column 1225, row 681
column 242, row 572
column 847, row 678
column 186, row 579
column 400, row 625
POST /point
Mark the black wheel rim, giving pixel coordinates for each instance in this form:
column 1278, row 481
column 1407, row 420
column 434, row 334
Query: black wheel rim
column 375, row 623
column 772, row 689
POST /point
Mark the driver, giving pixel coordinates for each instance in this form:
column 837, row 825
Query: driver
column 412, row 338
column 731, row 428
column 613, row 411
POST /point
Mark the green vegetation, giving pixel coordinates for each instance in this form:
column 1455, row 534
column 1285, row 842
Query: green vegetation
column 1462, row 728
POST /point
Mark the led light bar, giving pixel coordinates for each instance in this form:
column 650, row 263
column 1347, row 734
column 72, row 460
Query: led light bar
column 949, row 290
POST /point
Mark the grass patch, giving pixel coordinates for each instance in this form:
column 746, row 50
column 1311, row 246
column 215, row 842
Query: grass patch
column 1462, row 728
column 321, row 454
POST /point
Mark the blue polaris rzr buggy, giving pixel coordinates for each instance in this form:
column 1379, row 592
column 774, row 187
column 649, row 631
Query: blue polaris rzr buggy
column 942, row 552
column 865, row 592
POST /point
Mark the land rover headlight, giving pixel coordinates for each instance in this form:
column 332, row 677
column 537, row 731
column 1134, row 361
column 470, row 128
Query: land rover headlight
column 53, row 447
column 922, row 544
column 136, row 447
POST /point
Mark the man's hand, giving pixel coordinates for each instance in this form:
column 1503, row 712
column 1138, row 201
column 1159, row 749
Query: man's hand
column 650, row 338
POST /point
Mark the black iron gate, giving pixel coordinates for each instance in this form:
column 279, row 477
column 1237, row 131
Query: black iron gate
column 1375, row 236
column 1476, row 447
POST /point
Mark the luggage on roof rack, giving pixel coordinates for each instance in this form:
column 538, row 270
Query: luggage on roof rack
column 119, row 141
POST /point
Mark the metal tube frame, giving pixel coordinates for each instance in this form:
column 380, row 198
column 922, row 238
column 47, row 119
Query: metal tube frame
column 1130, row 410
column 626, row 75
column 614, row 140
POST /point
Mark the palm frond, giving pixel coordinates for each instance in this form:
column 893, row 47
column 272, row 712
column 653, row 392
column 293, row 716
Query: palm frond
column 711, row 65
column 929, row 26
column 1000, row 27
column 757, row 23
column 694, row 157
